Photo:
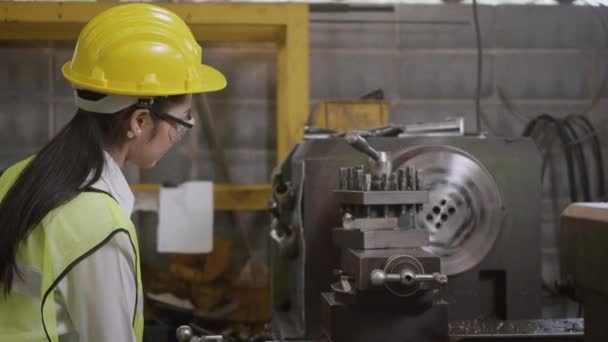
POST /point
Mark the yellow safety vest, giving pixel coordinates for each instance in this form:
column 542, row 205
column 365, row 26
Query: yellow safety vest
column 66, row 235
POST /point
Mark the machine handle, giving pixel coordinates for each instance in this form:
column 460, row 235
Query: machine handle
column 185, row 334
column 361, row 145
column 382, row 162
column 407, row 277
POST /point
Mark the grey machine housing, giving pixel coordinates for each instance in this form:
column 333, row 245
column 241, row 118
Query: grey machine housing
column 497, row 272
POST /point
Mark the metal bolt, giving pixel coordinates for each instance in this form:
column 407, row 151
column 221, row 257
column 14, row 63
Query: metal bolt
column 408, row 179
column 350, row 184
column 402, row 179
column 359, row 179
column 418, row 179
column 367, row 182
column 343, row 174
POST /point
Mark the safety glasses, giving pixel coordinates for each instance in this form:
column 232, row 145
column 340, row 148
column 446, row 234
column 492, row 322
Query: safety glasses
column 182, row 126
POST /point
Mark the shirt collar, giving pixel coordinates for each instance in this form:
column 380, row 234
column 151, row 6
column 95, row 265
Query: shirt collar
column 114, row 182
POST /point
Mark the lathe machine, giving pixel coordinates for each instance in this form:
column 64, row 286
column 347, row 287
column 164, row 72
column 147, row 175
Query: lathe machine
column 375, row 237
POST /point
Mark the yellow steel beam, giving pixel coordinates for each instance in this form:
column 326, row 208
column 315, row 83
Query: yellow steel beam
column 292, row 80
column 208, row 21
column 63, row 31
column 285, row 24
column 227, row 197
column 193, row 13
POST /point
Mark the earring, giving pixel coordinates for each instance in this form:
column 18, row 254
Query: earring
column 130, row 135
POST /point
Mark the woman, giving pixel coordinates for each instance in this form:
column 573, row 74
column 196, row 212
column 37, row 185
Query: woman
column 69, row 260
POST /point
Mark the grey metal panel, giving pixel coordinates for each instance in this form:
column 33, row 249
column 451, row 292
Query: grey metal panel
column 62, row 54
column 352, row 74
column 599, row 72
column 24, row 123
column 245, row 124
column 251, row 73
column 24, row 71
column 446, row 75
column 529, row 75
column 441, row 34
column 364, row 30
column 538, row 27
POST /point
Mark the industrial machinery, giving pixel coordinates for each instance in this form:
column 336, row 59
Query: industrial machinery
column 368, row 229
column 583, row 240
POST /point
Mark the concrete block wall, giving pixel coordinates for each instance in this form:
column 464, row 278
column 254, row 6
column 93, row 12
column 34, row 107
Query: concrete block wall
column 543, row 58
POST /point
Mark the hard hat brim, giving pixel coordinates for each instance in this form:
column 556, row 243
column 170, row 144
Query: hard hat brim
column 211, row 80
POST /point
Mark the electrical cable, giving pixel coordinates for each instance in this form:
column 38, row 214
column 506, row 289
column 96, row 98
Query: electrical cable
column 479, row 68
column 509, row 106
column 596, row 150
column 539, row 130
column 575, row 146
column 544, row 118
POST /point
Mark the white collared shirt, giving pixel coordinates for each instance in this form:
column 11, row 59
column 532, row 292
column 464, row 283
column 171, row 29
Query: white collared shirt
column 96, row 299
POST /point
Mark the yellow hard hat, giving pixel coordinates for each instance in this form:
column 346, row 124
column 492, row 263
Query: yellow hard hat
column 141, row 50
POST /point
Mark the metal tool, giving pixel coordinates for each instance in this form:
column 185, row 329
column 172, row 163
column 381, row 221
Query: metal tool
column 185, row 334
column 382, row 165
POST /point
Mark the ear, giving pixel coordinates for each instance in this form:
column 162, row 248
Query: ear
column 140, row 120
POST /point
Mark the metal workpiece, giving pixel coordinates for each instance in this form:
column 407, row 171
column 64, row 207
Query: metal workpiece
column 464, row 212
column 381, row 197
column 453, row 127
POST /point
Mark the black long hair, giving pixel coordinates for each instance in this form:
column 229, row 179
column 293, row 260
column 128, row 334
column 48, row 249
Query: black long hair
column 57, row 174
